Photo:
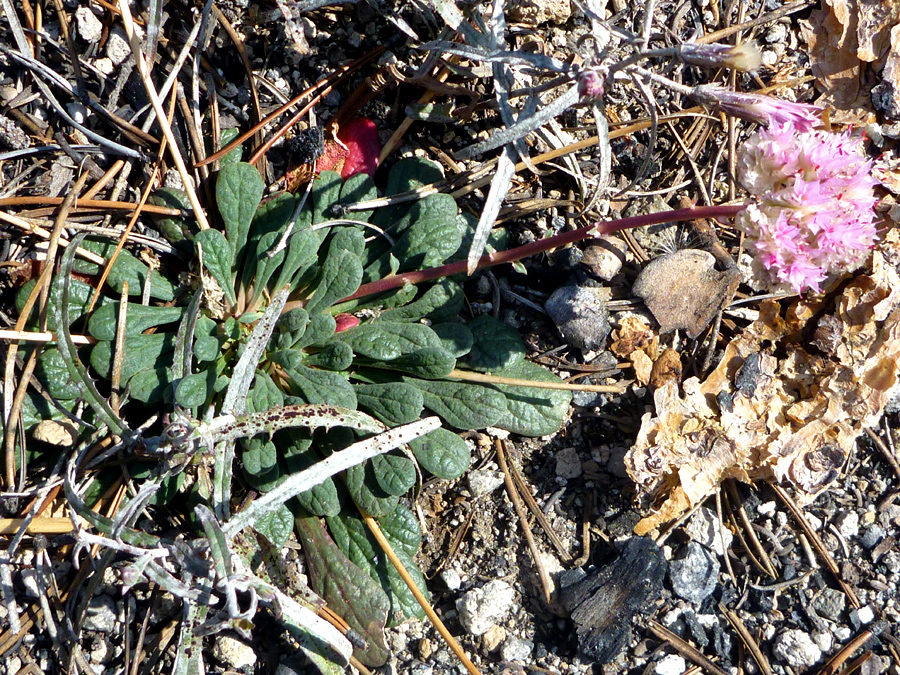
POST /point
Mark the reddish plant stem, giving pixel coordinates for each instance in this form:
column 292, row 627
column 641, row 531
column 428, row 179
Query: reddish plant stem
column 500, row 257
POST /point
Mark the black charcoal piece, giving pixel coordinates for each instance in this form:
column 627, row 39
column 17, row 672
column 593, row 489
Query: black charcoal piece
column 603, row 604
column 308, row 145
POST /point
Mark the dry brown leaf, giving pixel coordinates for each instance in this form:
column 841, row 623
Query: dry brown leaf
column 876, row 18
column 830, row 34
column 775, row 408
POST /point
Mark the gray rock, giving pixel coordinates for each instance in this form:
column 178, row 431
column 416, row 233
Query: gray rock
column 580, row 314
column 694, row 573
column 516, row 649
column 703, row 527
column 234, row 653
column 90, row 28
column 872, row 536
column 796, row 648
column 830, row 604
column 534, row 12
column 568, row 463
column 101, row 614
column 117, row 48
column 481, row 608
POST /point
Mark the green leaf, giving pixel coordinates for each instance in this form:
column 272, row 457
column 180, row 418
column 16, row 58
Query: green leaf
column 239, row 190
column 352, row 536
column 358, row 188
column 206, row 348
column 103, row 322
column 260, row 459
column 442, row 453
column 349, row 239
column 432, row 238
column 496, row 346
column 431, row 363
column 367, row 493
column 266, row 230
column 394, row 403
column 395, row 474
column 335, row 356
column 301, row 256
column 325, row 196
column 234, row 155
column 276, row 526
column 196, row 389
column 264, row 394
column 456, row 338
column 294, row 321
column 339, row 277
column 386, row 340
column 174, row 228
column 531, row 411
column 126, row 268
column 141, row 352
column 149, row 386
column 218, row 259
column 462, row 405
column 401, row 529
column 51, row 372
column 79, row 298
column 441, row 302
column 296, row 447
column 321, row 386
column 347, row 589
column 411, row 174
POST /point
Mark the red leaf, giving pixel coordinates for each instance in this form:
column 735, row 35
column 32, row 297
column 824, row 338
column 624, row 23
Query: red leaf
column 360, row 136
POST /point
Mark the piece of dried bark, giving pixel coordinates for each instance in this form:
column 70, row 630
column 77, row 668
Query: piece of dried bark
column 777, row 407
column 684, row 291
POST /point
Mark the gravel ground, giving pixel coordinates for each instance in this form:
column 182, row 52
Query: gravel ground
column 767, row 589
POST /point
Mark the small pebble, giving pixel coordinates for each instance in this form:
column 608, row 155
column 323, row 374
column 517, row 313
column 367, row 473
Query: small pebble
column 101, row 614
column 481, row 608
column 484, row 481
column 234, row 653
column 796, row 648
column 580, row 314
column 117, row 47
column 451, row 579
column 90, row 28
column 671, row 664
column 493, row 637
column 568, row 464
column 516, row 649
column 703, row 527
column 694, row 573
column 847, row 523
column 872, row 536
column 865, row 614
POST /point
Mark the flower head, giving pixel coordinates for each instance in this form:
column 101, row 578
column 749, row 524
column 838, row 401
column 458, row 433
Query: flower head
column 738, row 57
column 814, row 213
column 758, row 108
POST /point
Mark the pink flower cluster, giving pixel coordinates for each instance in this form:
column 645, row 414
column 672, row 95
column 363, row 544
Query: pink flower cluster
column 814, row 213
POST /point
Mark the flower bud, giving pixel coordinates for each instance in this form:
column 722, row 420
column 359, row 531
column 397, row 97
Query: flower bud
column 759, row 108
column 744, row 57
column 591, row 83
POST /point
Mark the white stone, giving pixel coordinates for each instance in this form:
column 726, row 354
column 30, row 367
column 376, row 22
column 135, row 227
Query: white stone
column 117, row 47
column 484, row 482
column 672, row 664
column 823, row 640
column 866, row 615
column 451, row 579
column 703, row 527
column 796, row 648
column 847, row 524
column 481, row 608
column 766, row 508
column 568, row 464
column 233, row 653
column 90, row 28
column 516, row 649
